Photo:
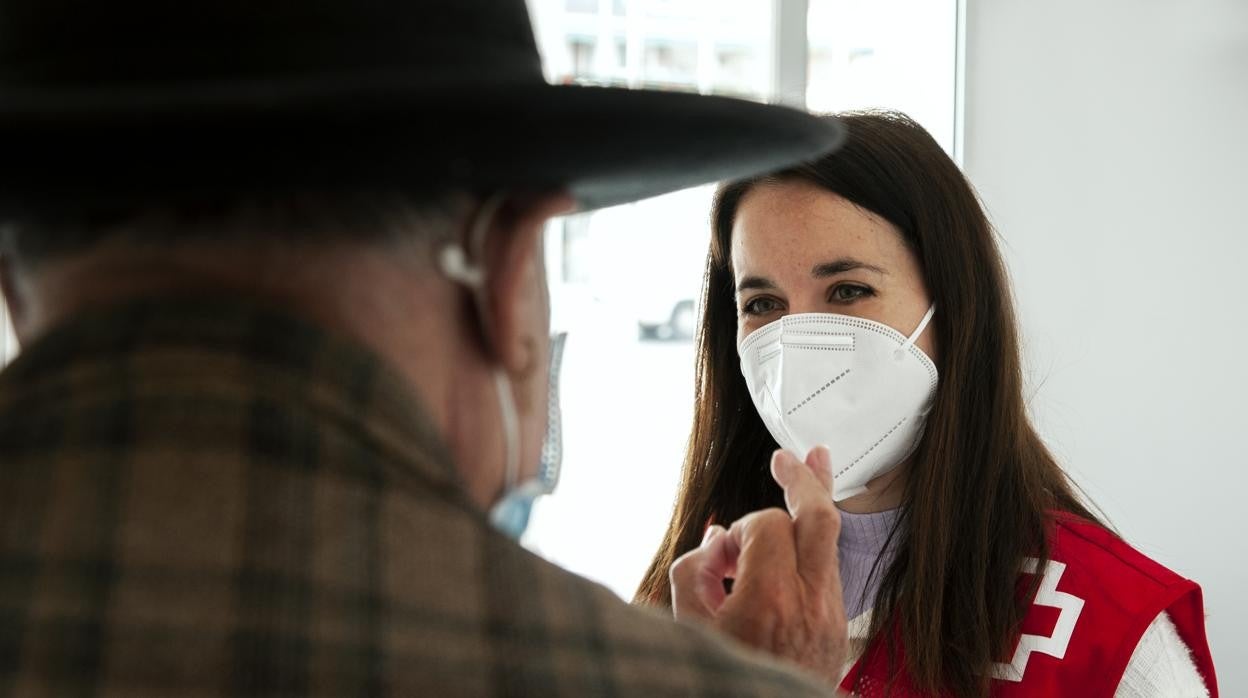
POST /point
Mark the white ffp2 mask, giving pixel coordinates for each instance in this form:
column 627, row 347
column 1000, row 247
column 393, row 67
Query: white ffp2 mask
column 858, row 387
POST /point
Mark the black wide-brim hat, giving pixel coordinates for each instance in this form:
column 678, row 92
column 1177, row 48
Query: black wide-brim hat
column 142, row 100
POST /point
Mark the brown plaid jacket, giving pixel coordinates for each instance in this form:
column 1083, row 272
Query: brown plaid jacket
column 201, row 498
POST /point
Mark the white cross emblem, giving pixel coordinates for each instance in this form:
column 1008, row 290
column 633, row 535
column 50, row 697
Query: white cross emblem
column 1054, row 645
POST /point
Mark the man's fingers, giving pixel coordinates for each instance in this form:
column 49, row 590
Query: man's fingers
column 816, row 521
column 803, row 489
column 820, row 461
column 777, row 607
column 787, row 596
column 764, row 541
column 766, row 562
column 697, row 577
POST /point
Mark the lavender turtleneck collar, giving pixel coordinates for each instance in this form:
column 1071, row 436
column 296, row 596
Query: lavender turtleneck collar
column 862, row 543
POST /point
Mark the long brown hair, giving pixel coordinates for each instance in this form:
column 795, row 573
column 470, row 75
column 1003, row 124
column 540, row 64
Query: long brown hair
column 981, row 487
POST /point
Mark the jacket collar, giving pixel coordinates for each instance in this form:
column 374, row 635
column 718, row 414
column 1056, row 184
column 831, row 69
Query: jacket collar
column 198, row 347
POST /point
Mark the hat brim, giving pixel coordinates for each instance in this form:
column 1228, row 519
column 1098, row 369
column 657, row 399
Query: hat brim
column 605, row 145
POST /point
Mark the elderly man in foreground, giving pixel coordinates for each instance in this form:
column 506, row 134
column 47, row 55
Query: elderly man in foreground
column 276, row 269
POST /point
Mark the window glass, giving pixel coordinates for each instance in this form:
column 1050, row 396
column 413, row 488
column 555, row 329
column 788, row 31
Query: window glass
column 625, row 281
column 898, row 54
column 723, row 46
column 582, row 5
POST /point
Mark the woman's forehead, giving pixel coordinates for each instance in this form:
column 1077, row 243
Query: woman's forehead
column 792, row 226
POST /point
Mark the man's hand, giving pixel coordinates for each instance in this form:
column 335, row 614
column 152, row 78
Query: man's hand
column 786, row 593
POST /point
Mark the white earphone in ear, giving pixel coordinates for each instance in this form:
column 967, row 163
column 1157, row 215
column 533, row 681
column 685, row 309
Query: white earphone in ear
column 455, row 264
column 453, row 258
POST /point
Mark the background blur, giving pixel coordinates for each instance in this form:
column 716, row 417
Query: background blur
column 1107, row 141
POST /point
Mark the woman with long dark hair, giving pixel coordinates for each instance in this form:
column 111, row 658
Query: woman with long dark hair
column 860, row 302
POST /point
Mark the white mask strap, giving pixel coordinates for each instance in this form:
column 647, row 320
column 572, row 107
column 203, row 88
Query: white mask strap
column 918, row 331
column 511, row 429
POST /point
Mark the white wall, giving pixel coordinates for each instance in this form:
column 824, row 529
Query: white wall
column 1109, row 140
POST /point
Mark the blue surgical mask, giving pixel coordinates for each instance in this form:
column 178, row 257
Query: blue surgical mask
column 511, row 513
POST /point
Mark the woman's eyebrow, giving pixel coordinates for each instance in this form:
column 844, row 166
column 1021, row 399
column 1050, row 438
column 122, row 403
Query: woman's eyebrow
column 755, row 282
column 825, row 269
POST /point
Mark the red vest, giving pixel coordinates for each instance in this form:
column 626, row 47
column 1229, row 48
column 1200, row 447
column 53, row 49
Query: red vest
column 1096, row 598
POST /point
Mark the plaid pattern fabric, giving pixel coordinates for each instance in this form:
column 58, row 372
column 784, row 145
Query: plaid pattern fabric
column 202, row 498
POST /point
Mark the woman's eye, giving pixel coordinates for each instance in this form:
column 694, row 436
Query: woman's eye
column 761, row 306
column 846, row 293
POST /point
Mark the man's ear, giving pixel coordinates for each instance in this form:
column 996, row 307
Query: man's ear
column 519, row 306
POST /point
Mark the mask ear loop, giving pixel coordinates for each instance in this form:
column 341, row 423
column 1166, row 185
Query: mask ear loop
column 552, row 444
column 511, row 429
column 455, row 264
column 918, row 332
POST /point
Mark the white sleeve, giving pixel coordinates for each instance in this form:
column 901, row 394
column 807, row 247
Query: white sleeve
column 1161, row 666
